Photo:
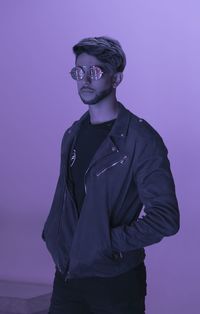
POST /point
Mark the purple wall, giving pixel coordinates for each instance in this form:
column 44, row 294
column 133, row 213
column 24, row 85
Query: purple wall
column 39, row 101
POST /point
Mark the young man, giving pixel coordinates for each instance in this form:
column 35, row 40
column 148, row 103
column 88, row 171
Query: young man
column 113, row 165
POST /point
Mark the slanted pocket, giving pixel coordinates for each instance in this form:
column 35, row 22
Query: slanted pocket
column 119, row 162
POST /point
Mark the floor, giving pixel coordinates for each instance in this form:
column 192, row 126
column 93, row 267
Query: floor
column 24, row 298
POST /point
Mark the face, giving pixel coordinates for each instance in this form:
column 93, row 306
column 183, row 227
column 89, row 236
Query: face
column 93, row 91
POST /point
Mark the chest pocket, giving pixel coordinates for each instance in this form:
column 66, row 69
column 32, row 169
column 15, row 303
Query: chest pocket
column 119, row 162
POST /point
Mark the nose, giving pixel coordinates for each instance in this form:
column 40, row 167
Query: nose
column 86, row 78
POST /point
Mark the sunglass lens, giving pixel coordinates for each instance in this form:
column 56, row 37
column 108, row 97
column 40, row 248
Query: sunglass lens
column 95, row 73
column 77, row 73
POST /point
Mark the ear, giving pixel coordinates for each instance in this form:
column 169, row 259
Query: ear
column 117, row 78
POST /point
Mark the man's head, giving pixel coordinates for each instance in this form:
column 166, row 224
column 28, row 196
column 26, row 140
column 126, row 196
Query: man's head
column 96, row 83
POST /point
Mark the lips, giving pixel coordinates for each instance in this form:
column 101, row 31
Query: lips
column 87, row 90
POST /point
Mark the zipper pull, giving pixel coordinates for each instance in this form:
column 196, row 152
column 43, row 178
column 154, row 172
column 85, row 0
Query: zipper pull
column 67, row 276
column 73, row 158
column 123, row 159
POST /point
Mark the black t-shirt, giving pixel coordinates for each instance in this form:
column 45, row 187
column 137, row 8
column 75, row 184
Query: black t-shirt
column 89, row 138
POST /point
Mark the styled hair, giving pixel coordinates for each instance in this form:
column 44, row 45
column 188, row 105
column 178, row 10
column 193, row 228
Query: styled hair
column 105, row 49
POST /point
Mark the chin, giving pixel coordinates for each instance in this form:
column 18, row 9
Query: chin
column 88, row 102
column 97, row 98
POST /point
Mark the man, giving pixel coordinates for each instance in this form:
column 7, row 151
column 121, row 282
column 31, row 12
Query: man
column 113, row 165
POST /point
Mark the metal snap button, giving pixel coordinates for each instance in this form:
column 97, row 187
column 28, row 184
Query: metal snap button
column 121, row 254
column 117, row 255
column 114, row 255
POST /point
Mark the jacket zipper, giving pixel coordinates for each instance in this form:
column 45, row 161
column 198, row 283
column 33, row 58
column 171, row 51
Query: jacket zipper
column 68, row 264
column 115, row 163
column 84, row 180
column 69, row 193
column 67, row 277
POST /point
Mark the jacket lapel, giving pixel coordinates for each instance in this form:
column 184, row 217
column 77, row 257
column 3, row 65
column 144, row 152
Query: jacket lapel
column 114, row 142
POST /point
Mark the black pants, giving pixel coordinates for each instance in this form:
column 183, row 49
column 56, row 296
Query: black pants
column 123, row 294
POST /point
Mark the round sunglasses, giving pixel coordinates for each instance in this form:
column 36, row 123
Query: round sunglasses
column 78, row 73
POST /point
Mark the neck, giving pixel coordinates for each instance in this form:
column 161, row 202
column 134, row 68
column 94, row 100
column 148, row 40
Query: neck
column 105, row 110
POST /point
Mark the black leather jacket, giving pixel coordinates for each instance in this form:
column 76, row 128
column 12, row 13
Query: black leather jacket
column 129, row 172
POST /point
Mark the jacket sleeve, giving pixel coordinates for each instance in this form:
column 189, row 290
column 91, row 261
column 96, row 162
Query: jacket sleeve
column 156, row 191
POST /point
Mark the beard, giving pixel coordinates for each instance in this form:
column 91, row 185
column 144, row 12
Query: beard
column 97, row 97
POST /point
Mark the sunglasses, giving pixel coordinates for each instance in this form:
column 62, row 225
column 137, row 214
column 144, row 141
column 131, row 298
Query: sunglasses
column 78, row 73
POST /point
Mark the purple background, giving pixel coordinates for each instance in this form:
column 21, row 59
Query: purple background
column 39, row 101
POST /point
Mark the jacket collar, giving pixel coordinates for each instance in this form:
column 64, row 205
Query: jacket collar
column 115, row 139
column 120, row 126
